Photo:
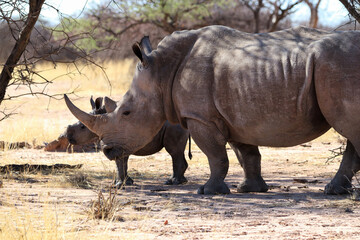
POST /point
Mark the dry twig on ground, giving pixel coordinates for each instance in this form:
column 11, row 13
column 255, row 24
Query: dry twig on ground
column 336, row 152
column 105, row 208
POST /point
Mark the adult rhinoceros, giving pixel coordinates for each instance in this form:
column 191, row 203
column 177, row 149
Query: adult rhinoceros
column 271, row 89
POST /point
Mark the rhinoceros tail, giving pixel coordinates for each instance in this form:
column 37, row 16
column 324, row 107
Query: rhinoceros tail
column 190, row 155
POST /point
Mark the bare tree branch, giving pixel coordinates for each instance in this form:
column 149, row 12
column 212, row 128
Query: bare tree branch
column 275, row 9
column 352, row 7
column 279, row 12
column 19, row 48
column 32, row 43
column 4, row 114
column 314, row 15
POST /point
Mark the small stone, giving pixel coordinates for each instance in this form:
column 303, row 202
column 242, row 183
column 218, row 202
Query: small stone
column 348, row 210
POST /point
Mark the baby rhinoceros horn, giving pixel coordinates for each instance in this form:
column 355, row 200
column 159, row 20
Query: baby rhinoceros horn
column 90, row 121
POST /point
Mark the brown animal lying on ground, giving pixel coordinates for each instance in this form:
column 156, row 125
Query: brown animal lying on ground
column 62, row 145
column 172, row 137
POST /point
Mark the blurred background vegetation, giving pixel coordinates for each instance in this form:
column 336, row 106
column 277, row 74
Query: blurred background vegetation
column 88, row 52
column 106, row 29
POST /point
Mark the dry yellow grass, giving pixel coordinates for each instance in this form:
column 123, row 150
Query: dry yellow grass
column 42, row 119
column 26, row 224
column 48, row 223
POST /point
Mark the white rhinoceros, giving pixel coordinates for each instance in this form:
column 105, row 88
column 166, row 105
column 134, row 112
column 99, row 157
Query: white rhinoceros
column 270, row 89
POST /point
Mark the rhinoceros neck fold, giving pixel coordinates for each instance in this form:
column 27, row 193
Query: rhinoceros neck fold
column 166, row 85
column 172, row 52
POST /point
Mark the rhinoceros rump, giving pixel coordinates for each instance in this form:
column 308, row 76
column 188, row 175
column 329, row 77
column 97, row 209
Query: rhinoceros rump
column 171, row 137
column 271, row 89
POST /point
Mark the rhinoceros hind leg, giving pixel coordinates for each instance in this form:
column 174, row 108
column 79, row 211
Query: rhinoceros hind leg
column 335, row 188
column 250, row 159
column 212, row 143
column 350, row 164
column 176, row 181
column 252, row 185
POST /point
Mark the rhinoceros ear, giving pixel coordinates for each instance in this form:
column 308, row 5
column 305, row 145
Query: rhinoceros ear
column 110, row 105
column 146, row 45
column 139, row 52
column 98, row 103
column 92, row 102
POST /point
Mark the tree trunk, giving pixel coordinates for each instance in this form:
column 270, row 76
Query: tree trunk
column 314, row 14
column 351, row 9
column 20, row 45
column 257, row 21
column 314, row 18
column 256, row 13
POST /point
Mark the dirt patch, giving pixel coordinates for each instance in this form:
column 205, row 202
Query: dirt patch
column 294, row 208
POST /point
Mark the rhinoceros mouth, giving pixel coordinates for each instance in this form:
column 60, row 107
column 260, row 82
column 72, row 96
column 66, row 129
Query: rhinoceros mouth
column 114, row 152
column 71, row 140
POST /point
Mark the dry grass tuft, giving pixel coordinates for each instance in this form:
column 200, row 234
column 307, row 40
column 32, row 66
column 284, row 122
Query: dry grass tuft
column 355, row 195
column 13, row 146
column 80, row 180
column 105, row 208
column 355, row 191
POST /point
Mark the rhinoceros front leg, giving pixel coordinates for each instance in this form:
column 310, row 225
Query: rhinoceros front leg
column 250, row 159
column 350, row 164
column 212, row 143
column 123, row 178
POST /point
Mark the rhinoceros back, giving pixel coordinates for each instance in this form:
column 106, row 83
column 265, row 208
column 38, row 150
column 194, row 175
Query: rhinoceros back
column 257, row 88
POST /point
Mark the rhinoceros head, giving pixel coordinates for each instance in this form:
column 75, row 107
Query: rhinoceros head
column 136, row 118
column 78, row 133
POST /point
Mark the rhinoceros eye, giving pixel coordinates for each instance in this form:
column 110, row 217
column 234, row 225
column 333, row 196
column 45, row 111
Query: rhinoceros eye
column 82, row 126
column 126, row 113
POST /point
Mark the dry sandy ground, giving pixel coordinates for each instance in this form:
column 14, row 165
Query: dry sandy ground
column 151, row 210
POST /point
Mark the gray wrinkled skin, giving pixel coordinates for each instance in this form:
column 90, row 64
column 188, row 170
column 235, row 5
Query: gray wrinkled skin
column 275, row 89
column 172, row 137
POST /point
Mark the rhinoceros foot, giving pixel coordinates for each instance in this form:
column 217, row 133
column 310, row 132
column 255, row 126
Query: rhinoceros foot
column 334, row 188
column 119, row 183
column 214, row 187
column 176, row 181
column 253, row 185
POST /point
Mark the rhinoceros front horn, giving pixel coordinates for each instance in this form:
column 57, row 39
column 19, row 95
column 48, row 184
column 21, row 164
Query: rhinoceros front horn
column 88, row 120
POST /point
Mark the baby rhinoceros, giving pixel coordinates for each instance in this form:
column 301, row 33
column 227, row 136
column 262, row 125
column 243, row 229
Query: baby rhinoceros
column 172, row 137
